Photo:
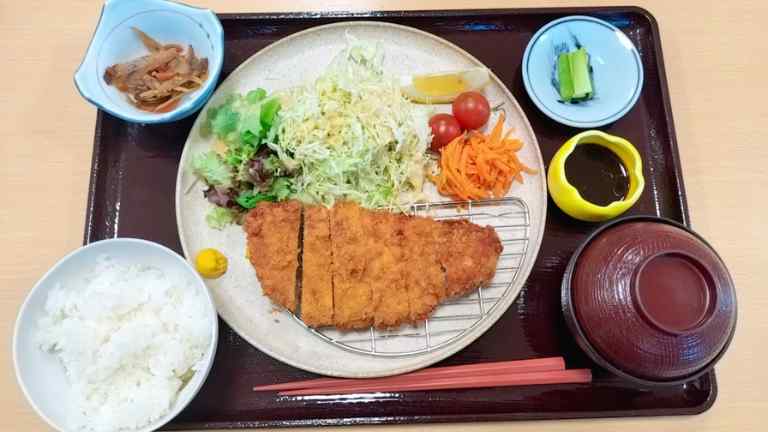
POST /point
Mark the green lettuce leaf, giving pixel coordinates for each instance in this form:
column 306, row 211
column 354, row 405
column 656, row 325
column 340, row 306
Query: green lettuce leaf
column 269, row 111
column 211, row 168
column 219, row 217
column 251, row 122
column 255, row 96
column 224, row 121
column 281, row 189
column 249, row 199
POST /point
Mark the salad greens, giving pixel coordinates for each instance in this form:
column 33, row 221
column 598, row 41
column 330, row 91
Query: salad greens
column 349, row 134
column 242, row 171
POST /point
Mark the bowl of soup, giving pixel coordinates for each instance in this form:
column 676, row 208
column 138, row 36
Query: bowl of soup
column 649, row 300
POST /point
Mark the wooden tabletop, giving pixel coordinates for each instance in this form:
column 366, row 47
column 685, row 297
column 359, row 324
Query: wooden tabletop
column 716, row 63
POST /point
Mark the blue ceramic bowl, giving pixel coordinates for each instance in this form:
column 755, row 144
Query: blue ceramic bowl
column 115, row 42
column 616, row 65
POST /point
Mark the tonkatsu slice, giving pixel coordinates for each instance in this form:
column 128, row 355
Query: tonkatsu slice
column 273, row 248
column 316, row 277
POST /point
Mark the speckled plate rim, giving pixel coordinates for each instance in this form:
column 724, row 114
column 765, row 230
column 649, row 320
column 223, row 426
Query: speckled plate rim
column 393, row 366
column 572, row 322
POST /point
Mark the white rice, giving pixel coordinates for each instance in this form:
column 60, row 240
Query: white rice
column 129, row 338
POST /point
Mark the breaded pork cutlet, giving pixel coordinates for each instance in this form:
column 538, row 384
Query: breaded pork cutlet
column 273, row 249
column 423, row 273
column 363, row 268
column 351, row 250
column 316, row 276
column 474, row 263
column 385, row 271
column 469, row 254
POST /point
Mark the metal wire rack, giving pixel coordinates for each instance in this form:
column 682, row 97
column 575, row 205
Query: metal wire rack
column 510, row 218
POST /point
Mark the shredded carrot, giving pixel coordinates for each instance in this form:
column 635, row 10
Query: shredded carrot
column 475, row 166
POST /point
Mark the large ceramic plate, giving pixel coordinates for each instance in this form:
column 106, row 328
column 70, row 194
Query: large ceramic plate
column 290, row 62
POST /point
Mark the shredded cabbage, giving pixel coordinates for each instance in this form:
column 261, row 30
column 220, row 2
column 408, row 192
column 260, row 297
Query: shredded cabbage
column 351, row 134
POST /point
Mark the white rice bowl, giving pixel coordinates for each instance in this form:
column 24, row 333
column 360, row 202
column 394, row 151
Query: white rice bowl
column 134, row 339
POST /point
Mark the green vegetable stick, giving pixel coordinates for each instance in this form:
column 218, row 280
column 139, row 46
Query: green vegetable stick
column 582, row 85
column 564, row 77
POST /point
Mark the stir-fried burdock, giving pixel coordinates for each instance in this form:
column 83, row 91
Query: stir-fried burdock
column 156, row 82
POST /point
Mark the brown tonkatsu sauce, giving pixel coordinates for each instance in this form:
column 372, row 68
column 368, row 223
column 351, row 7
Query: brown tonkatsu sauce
column 597, row 173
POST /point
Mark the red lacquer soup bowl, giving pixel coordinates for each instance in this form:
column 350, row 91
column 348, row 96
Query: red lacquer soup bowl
column 649, row 300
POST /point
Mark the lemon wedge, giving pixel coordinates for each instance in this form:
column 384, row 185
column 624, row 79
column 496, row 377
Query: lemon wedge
column 443, row 87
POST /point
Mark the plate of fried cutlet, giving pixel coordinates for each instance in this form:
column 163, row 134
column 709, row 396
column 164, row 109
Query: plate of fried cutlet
column 349, row 291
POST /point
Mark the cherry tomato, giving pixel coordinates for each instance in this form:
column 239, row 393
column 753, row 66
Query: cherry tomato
column 472, row 110
column 445, row 128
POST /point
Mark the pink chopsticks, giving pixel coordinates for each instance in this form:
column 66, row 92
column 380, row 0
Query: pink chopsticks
column 549, row 370
column 498, row 380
